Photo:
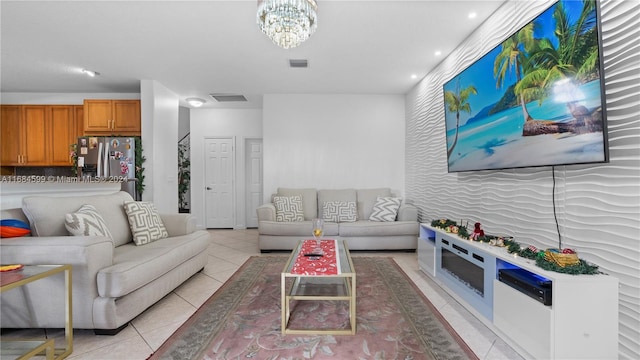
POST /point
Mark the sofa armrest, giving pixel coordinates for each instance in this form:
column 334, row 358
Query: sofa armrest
column 87, row 255
column 407, row 212
column 93, row 251
column 179, row 224
column 266, row 212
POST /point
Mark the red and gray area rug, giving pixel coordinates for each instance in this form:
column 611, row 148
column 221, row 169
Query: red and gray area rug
column 242, row 320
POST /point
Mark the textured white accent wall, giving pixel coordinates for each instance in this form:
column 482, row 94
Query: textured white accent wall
column 333, row 142
column 598, row 206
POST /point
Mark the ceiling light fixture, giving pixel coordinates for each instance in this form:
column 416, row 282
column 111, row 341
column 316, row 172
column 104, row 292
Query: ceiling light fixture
column 196, row 102
column 90, row 72
column 437, row 53
column 472, row 15
column 288, row 23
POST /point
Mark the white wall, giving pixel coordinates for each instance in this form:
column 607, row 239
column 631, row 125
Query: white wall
column 333, row 141
column 598, row 205
column 238, row 124
column 160, row 145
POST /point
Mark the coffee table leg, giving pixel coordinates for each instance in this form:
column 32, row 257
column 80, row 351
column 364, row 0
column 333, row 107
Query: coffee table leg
column 283, row 306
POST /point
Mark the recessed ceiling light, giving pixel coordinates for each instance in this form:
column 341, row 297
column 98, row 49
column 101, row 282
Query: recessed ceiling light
column 196, row 102
column 438, row 53
column 414, row 76
column 472, row 15
column 90, row 72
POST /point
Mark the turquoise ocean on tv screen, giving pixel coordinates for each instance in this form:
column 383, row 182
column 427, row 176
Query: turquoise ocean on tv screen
column 483, row 138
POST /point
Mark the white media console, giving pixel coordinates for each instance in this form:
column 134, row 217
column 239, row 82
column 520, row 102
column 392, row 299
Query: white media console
column 579, row 320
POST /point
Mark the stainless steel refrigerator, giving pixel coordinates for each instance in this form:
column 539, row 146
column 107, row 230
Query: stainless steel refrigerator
column 110, row 158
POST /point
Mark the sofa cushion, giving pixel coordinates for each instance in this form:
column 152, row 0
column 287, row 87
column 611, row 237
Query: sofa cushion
column 135, row 266
column 378, row 228
column 367, row 198
column 309, row 200
column 339, row 211
column 298, row 228
column 86, row 222
column 385, row 209
column 46, row 214
column 346, row 195
column 145, row 222
column 288, row 208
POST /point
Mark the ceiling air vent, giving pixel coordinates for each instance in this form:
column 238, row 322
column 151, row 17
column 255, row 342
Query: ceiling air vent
column 228, row 97
column 298, row 63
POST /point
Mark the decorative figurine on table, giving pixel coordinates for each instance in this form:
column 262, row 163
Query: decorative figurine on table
column 477, row 231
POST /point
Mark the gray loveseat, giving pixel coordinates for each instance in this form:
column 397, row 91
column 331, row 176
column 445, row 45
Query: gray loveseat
column 362, row 234
column 113, row 280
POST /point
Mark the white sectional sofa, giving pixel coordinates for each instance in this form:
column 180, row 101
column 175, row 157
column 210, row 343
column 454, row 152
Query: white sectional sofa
column 361, row 234
column 114, row 280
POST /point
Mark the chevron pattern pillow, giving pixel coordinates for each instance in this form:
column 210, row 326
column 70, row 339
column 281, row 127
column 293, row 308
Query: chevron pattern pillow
column 145, row 222
column 86, row 221
column 339, row 211
column 288, row 208
column 385, row 209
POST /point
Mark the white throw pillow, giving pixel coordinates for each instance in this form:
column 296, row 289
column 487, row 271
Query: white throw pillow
column 288, row 208
column 385, row 209
column 339, row 211
column 145, row 222
column 86, row 221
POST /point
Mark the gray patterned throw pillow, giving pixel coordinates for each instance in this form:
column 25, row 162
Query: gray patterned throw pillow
column 339, row 211
column 288, row 208
column 144, row 221
column 385, row 209
column 86, row 221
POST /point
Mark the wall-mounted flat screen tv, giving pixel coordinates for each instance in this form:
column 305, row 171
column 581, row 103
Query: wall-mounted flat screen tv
column 536, row 99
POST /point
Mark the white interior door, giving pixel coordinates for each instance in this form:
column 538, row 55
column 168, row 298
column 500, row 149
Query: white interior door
column 219, row 179
column 253, row 176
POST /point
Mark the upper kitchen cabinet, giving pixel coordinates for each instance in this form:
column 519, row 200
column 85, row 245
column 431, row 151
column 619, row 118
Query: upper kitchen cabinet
column 112, row 117
column 11, row 138
column 63, row 133
column 37, row 135
column 24, row 135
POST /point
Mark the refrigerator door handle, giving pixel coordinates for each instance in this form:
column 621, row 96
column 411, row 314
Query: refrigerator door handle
column 99, row 166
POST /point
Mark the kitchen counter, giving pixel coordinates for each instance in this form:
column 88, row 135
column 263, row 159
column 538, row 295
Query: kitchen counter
column 14, row 188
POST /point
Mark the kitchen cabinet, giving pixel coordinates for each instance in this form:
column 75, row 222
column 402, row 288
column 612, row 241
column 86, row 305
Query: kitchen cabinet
column 112, row 117
column 10, row 141
column 62, row 134
column 37, row 135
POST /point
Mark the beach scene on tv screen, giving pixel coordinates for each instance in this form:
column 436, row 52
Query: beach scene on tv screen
column 534, row 100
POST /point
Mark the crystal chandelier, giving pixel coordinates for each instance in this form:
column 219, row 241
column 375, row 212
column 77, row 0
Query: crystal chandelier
column 288, row 23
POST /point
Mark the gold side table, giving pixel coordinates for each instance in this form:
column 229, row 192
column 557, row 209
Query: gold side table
column 25, row 349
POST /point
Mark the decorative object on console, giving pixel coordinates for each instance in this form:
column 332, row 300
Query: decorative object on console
column 13, row 228
column 145, row 222
column 288, row 23
column 477, row 231
column 563, row 261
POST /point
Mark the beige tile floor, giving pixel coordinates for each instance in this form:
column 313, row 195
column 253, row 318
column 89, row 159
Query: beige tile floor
column 229, row 249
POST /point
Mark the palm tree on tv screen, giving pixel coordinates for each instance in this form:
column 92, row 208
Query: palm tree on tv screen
column 575, row 57
column 456, row 102
column 512, row 57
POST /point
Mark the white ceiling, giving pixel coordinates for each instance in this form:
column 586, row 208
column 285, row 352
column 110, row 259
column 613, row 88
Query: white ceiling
column 195, row 48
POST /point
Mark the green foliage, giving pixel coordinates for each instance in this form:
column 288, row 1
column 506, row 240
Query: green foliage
column 512, row 247
column 581, row 268
column 184, row 175
column 140, row 159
